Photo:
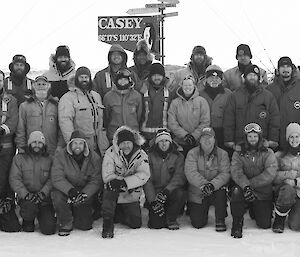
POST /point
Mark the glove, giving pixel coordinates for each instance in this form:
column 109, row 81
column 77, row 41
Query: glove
column 157, row 208
column 189, row 139
column 115, row 185
column 30, row 197
column 39, row 197
column 81, row 198
column 208, row 189
column 6, row 205
column 2, row 131
column 162, row 196
column 249, row 194
column 73, row 194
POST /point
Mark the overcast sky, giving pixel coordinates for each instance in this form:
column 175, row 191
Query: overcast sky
column 36, row 27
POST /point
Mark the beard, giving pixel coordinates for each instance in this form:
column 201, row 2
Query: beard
column 63, row 66
column 36, row 152
column 41, row 94
column 251, row 86
column 84, row 85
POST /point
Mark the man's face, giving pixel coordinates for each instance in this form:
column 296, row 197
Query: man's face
column 41, row 88
column 294, row 140
column 83, row 80
column 198, row 58
column 63, row 62
column 123, row 81
column 252, row 79
column 285, row 71
column 37, row 146
column 1, row 81
column 243, row 59
column 126, row 147
column 214, row 81
column 116, row 58
column 77, row 146
column 141, row 58
column 252, row 138
column 157, row 78
column 19, row 68
column 164, row 145
column 188, row 86
column 207, row 143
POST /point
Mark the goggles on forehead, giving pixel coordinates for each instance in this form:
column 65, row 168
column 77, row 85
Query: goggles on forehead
column 124, row 73
column 189, row 77
column 252, row 127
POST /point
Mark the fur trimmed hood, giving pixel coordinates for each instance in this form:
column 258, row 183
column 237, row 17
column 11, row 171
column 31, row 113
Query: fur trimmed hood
column 86, row 150
column 139, row 139
column 142, row 46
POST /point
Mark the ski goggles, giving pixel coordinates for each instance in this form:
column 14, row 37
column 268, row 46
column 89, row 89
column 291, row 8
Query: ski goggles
column 252, row 127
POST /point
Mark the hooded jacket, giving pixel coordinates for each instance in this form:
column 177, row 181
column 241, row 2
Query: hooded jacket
column 136, row 172
column 104, row 80
column 122, row 108
column 30, row 174
column 43, row 117
column 80, row 111
column 66, row 174
column 288, row 100
column 233, row 78
column 200, row 170
column 58, row 80
column 243, row 108
column 255, row 169
column 188, row 116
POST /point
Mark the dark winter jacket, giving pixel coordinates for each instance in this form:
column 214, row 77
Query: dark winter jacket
column 243, row 108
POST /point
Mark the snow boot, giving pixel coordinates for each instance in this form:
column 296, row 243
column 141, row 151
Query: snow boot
column 64, row 232
column 28, row 225
column 220, row 225
column 173, row 225
column 108, row 228
column 278, row 224
column 237, row 227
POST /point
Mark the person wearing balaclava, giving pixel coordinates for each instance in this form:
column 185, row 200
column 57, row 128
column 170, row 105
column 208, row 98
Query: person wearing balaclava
column 76, row 178
column 81, row 109
column 45, row 118
column 216, row 96
column 8, row 125
column 251, row 103
column 233, row 77
column 253, row 169
column 156, row 100
column 287, row 182
column 18, row 84
column 286, row 89
column 123, row 104
column 196, row 67
column 61, row 67
column 30, row 179
column 104, row 79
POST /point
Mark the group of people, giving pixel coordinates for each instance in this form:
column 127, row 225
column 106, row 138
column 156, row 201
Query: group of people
column 73, row 148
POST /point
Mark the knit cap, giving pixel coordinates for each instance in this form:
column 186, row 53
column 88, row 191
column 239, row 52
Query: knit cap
column 252, row 69
column 62, row 51
column 36, row 136
column 285, row 60
column 125, row 135
column 157, row 68
column 292, row 128
column 214, row 70
column 163, row 135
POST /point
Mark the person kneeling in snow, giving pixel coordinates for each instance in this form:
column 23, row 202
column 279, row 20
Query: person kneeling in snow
column 76, row 177
column 287, row 182
column 207, row 169
column 253, row 170
column 30, row 179
column 164, row 191
column 125, row 170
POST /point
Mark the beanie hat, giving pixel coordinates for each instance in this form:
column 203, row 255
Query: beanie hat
column 243, row 49
column 125, row 135
column 163, row 134
column 199, row 50
column 36, row 136
column 208, row 131
column 62, row 51
column 292, row 128
column 157, row 68
column 214, row 70
column 285, row 60
column 252, row 69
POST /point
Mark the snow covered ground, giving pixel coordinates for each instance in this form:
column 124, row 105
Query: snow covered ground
column 186, row 242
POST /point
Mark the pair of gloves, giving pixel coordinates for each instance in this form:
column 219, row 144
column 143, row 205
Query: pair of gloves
column 189, row 139
column 249, row 194
column 116, row 185
column 6, row 205
column 35, row 198
column 157, row 205
column 76, row 197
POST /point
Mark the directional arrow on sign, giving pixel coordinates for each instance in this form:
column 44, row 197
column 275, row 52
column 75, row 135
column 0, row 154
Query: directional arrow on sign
column 142, row 10
column 169, row 1
column 159, row 5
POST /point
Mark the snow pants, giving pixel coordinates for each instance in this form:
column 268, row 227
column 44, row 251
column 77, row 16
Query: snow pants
column 199, row 211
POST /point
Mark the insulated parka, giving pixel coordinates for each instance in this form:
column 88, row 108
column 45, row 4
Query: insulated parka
column 243, row 108
column 66, row 173
column 288, row 100
column 255, row 169
column 188, row 116
column 201, row 169
column 135, row 172
column 30, row 174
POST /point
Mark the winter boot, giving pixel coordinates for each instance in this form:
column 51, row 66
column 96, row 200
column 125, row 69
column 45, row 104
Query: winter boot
column 220, row 225
column 173, row 225
column 64, row 232
column 278, row 224
column 108, row 228
column 237, row 227
column 28, row 225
